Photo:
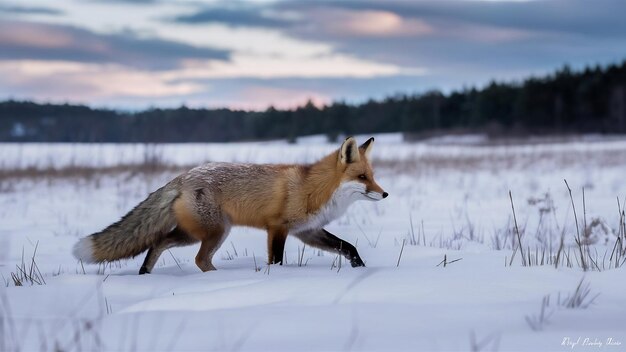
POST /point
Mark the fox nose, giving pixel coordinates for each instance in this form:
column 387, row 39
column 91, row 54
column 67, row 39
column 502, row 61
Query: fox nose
column 385, row 194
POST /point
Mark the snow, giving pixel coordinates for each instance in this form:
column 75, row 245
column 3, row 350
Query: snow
column 453, row 196
column 467, row 139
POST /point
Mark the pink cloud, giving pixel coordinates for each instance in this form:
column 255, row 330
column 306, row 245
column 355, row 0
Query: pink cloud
column 260, row 98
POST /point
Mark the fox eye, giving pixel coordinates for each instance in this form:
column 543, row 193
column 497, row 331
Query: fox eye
column 362, row 177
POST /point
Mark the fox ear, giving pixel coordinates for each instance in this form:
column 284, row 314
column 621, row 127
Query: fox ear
column 349, row 153
column 367, row 147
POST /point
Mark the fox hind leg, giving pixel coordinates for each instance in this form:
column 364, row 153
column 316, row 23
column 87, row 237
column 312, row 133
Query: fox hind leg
column 150, row 261
column 199, row 216
column 177, row 237
column 210, row 244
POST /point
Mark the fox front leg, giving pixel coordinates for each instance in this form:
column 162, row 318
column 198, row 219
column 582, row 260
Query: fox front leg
column 325, row 240
column 276, row 238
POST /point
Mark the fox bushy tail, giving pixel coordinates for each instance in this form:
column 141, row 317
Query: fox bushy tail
column 134, row 233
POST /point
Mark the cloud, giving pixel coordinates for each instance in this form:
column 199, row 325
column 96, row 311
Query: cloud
column 467, row 38
column 239, row 16
column 257, row 53
column 491, row 36
column 37, row 41
column 407, row 18
column 257, row 66
column 130, row 2
column 563, row 16
column 30, row 10
column 259, row 97
column 245, row 82
column 80, row 82
column 337, row 22
column 324, row 90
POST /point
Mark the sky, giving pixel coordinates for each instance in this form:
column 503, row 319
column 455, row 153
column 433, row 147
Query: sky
column 135, row 54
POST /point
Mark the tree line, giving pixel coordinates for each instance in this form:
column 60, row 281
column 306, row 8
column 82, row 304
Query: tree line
column 592, row 100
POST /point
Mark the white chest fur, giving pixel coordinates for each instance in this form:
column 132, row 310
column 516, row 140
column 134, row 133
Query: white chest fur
column 346, row 194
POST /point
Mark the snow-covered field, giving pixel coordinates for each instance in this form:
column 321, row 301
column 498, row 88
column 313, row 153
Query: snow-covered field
column 446, row 201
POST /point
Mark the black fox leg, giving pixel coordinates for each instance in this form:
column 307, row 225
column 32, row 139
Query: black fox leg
column 149, row 262
column 276, row 238
column 278, row 248
column 325, row 240
column 176, row 237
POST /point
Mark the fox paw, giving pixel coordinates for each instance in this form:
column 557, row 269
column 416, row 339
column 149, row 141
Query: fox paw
column 357, row 262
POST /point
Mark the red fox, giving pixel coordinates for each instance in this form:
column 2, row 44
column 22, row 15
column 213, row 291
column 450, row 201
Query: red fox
column 203, row 203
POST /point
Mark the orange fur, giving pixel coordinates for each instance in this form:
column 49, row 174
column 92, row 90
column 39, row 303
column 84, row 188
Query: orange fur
column 187, row 220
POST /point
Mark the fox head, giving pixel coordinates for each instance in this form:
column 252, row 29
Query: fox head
column 354, row 165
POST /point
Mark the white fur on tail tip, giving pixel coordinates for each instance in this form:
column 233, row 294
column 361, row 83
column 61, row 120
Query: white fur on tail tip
column 83, row 250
